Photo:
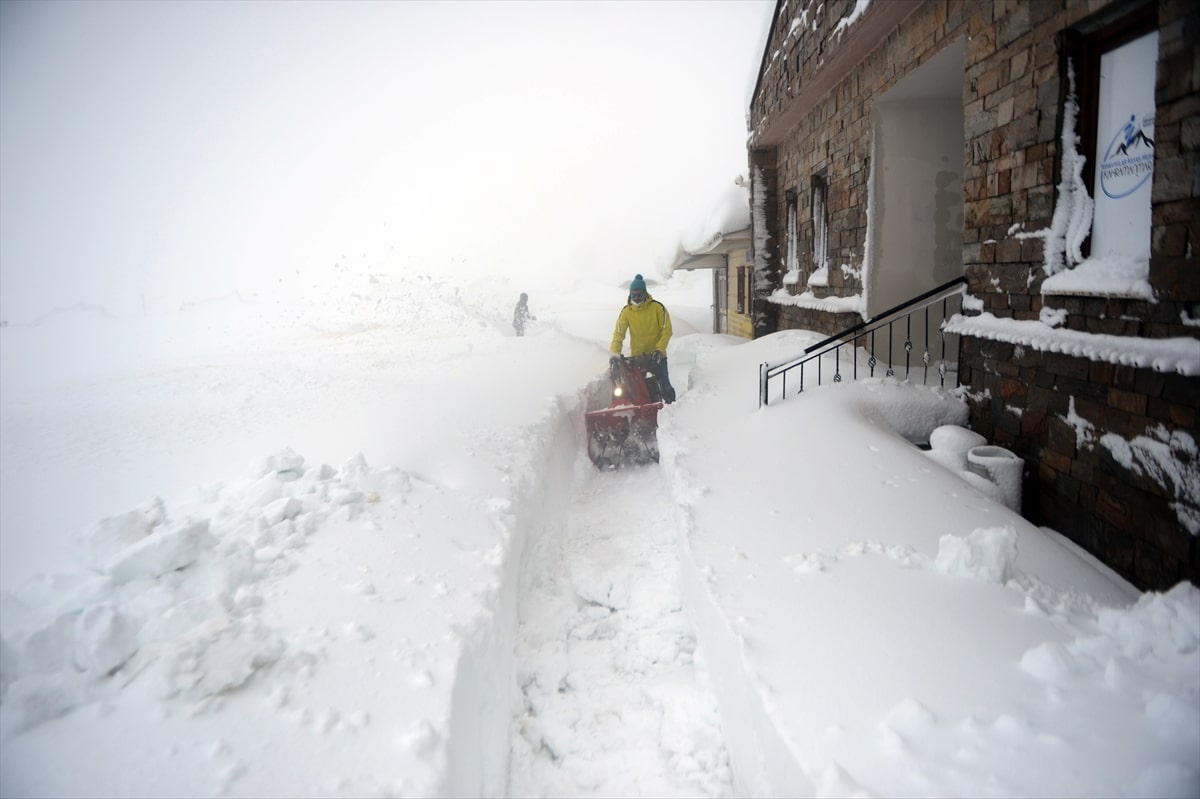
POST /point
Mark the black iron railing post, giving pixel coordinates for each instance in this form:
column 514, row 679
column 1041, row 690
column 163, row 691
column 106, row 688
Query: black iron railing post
column 891, row 350
column 925, row 356
column 907, row 346
column 854, row 356
column 942, row 333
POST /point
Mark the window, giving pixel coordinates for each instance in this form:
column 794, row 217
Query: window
column 741, row 288
column 1116, row 61
column 792, row 275
column 820, row 219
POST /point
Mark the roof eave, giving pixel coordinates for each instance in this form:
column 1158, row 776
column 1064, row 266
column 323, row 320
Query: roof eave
column 879, row 20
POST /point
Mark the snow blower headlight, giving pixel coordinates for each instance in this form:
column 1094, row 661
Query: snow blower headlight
column 618, row 390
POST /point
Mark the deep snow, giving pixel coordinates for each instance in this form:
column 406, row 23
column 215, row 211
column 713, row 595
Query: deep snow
column 347, row 542
column 612, row 700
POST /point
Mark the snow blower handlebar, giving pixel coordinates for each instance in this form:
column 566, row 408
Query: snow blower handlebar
column 633, row 378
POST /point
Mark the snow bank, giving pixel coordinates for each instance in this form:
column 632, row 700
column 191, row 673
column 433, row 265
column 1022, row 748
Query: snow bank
column 174, row 602
column 873, row 621
column 359, row 619
column 857, row 653
column 187, row 613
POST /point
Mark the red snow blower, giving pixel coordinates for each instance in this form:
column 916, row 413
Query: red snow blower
column 623, row 434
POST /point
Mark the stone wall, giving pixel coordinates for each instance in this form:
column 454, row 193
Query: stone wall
column 833, row 138
column 764, row 236
column 1053, row 410
column 1014, row 99
column 792, row 317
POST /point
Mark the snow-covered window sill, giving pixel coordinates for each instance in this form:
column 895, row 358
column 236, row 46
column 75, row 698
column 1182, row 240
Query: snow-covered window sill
column 809, row 300
column 1113, row 276
column 1179, row 355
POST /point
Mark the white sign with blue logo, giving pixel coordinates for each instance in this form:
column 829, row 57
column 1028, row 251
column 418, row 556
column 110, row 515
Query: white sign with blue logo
column 1124, row 158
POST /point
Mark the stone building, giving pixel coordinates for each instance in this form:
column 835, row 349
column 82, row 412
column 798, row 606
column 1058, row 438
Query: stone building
column 1045, row 151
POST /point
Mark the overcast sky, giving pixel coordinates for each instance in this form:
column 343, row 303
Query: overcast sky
column 175, row 151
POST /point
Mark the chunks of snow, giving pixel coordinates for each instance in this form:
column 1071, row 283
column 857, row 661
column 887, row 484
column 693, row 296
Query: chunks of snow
column 285, row 464
column 174, row 547
column 1161, row 627
column 172, row 603
column 422, row 737
column 217, row 656
column 282, row 509
column 986, row 554
column 105, row 638
column 1050, row 662
column 38, row 698
column 116, row 533
column 594, row 584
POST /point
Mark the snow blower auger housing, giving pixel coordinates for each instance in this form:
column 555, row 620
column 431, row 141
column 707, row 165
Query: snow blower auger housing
column 623, row 434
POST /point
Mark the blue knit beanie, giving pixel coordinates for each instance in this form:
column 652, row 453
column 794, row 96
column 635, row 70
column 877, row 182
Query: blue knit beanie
column 637, row 284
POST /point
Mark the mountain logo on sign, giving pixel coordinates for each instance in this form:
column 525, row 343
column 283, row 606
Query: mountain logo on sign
column 1129, row 160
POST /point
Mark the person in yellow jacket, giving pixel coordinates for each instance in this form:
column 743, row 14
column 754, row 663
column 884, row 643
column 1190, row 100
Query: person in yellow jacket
column 649, row 327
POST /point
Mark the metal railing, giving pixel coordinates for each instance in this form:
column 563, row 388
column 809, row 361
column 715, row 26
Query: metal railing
column 865, row 332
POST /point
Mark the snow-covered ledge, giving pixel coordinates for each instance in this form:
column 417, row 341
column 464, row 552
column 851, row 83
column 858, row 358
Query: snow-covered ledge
column 809, row 300
column 1180, row 355
column 1114, row 276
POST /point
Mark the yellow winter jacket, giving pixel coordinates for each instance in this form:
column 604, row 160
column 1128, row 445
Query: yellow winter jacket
column 649, row 327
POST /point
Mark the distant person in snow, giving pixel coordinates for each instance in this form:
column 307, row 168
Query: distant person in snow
column 649, row 327
column 521, row 314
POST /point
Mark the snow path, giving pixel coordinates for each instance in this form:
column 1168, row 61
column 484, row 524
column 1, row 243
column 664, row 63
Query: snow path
column 615, row 702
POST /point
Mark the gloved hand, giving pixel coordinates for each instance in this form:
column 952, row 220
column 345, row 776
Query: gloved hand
column 658, row 356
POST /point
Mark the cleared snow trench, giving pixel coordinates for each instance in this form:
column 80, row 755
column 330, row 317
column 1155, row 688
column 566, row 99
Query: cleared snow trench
column 613, row 699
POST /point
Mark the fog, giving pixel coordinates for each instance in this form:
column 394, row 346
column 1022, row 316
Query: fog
column 157, row 153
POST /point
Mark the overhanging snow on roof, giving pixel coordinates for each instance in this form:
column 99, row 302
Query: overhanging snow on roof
column 859, row 40
column 711, row 255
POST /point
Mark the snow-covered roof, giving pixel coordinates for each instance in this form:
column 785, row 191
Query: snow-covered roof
column 860, row 32
column 724, row 242
column 709, row 255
